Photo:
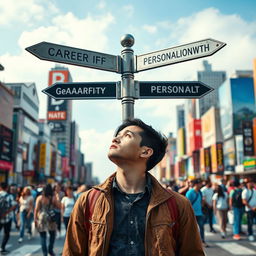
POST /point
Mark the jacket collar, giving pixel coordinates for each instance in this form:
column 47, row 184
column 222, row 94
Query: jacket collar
column 158, row 193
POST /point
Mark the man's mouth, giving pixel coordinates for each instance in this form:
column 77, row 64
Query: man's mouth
column 113, row 146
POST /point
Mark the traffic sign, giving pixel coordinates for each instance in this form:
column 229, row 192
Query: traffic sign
column 78, row 91
column 75, row 56
column 173, row 90
column 199, row 49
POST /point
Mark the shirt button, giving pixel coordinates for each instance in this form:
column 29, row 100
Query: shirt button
column 131, row 242
column 131, row 222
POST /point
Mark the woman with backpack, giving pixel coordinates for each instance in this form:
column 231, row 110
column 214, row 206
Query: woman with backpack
column 26, row 202
column 220, row 207
column 44, row 218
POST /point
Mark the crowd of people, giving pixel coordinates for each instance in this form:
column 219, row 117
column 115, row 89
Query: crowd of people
column 41, row 209
column 223, row 202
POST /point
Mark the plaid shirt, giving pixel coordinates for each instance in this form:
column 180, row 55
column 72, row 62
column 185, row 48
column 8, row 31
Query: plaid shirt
column 11, row 202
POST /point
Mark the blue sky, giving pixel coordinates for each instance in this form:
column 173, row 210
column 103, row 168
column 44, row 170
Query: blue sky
column 98, row 26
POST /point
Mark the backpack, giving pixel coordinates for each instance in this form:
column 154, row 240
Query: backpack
column 94, row 194
column 4, row 204
column 237, row 198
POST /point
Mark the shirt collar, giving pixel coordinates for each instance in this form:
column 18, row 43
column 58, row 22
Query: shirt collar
column 148, row 186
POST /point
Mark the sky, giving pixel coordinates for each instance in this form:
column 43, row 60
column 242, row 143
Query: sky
column 98, row 26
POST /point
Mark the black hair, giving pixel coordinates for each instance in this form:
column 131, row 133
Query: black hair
column 4, row 185
column 150, row 138
column 47, row 190
column 220, row 191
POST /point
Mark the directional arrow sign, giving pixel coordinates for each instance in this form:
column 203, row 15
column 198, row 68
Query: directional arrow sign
column 78, row 91
column 75, row 56
column 178, row 54
column 173, row 90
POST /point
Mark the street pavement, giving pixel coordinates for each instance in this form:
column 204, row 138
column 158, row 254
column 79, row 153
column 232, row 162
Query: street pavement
column 217, row 245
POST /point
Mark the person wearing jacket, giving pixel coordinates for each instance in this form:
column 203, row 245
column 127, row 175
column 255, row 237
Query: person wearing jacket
column 131, row 215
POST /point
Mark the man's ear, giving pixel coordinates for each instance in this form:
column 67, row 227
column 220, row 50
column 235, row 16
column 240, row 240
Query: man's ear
column 146, row 152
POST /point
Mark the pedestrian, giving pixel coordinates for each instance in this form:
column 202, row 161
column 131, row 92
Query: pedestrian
column 207, row 193
column 131, row 215
column 249, row 200
column 220, row 208
column 59, row 194
column 45, row 203
column 7, row 205
column 237, row 206
column 195, row 197
column 67, row 205
column 26, row 203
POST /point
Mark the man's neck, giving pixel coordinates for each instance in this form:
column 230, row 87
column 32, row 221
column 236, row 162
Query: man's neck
column 131, row 182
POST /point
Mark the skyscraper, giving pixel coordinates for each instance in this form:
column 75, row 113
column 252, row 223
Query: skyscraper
column 213, row 79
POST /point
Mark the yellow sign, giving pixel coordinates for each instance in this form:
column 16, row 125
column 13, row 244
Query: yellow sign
column 42, row 157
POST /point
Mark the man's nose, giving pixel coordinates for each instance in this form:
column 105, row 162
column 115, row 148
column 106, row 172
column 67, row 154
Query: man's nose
column 116, row 139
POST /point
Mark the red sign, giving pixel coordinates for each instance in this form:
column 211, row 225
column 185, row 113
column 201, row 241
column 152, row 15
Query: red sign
column 195, row 136
column 4, row 165
column 57, row 115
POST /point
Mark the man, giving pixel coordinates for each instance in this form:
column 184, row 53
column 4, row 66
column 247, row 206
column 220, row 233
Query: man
column 131, row 215
column 195, row 197
column 6, row 216
column 236, row 203
column 249, row 200
column 207, row 193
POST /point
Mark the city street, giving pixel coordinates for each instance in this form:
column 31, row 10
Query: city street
column 218, row 246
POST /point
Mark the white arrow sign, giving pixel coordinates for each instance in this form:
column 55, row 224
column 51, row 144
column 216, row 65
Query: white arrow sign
column 178, row 54
column 75, row 56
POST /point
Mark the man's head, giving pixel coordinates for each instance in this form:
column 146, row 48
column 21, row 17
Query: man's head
column 142, row 139
column 196, row 184
column 4, row 186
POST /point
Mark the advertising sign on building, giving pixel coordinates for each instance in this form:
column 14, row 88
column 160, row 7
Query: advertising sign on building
column 211, row 132
column 57, row 109
column 6, row 142
column 254, row 130
column 42, row 156
column 217, row 158
column 181, row 142
column 229, row 155
column 195, row 136
column 205, row 160
column 196, row 161
column 247, row 130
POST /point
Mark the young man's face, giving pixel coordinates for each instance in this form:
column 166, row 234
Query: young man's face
column 126, row 145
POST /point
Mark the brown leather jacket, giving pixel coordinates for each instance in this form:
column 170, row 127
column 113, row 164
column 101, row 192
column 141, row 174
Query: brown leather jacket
column 158, row 231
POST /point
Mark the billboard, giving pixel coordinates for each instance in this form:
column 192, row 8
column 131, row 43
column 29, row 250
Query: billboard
column 6, row 147
column 181, row 142
column 254, row 132
column 57, row 109
column 194, row 133
column 226, row 112
column 243, row 103
column 217, row 161
column 229, row 155
column 247, row 131
column 205, row 160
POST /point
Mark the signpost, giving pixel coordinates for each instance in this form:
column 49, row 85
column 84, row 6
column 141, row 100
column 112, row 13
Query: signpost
column 178, row 54
column 75, row 56
column 127, row 90
column 173, row 90
column 78, row 91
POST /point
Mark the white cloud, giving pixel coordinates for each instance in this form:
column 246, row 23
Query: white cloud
column 24, row 11
column 150, row 29
column 96, row 145
column 128, row 10
column 101, row 5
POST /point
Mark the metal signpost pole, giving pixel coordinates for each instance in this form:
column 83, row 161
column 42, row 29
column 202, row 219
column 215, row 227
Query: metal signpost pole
column 127, row 83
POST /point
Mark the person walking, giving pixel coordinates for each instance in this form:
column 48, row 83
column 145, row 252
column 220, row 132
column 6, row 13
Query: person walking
column 26, row 203
column 249, row 200
column 207, row 193
column 7, row 205
column 44, row 221
column 220, row 208
column 237, row 206
column 131, row 214
column 67, row 205
column 195, row 197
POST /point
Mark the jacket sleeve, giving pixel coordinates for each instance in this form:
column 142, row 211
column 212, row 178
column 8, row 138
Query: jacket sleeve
column 189, row 242
column 76, row 242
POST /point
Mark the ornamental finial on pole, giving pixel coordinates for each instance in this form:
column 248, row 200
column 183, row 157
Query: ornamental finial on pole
column 127, row 40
